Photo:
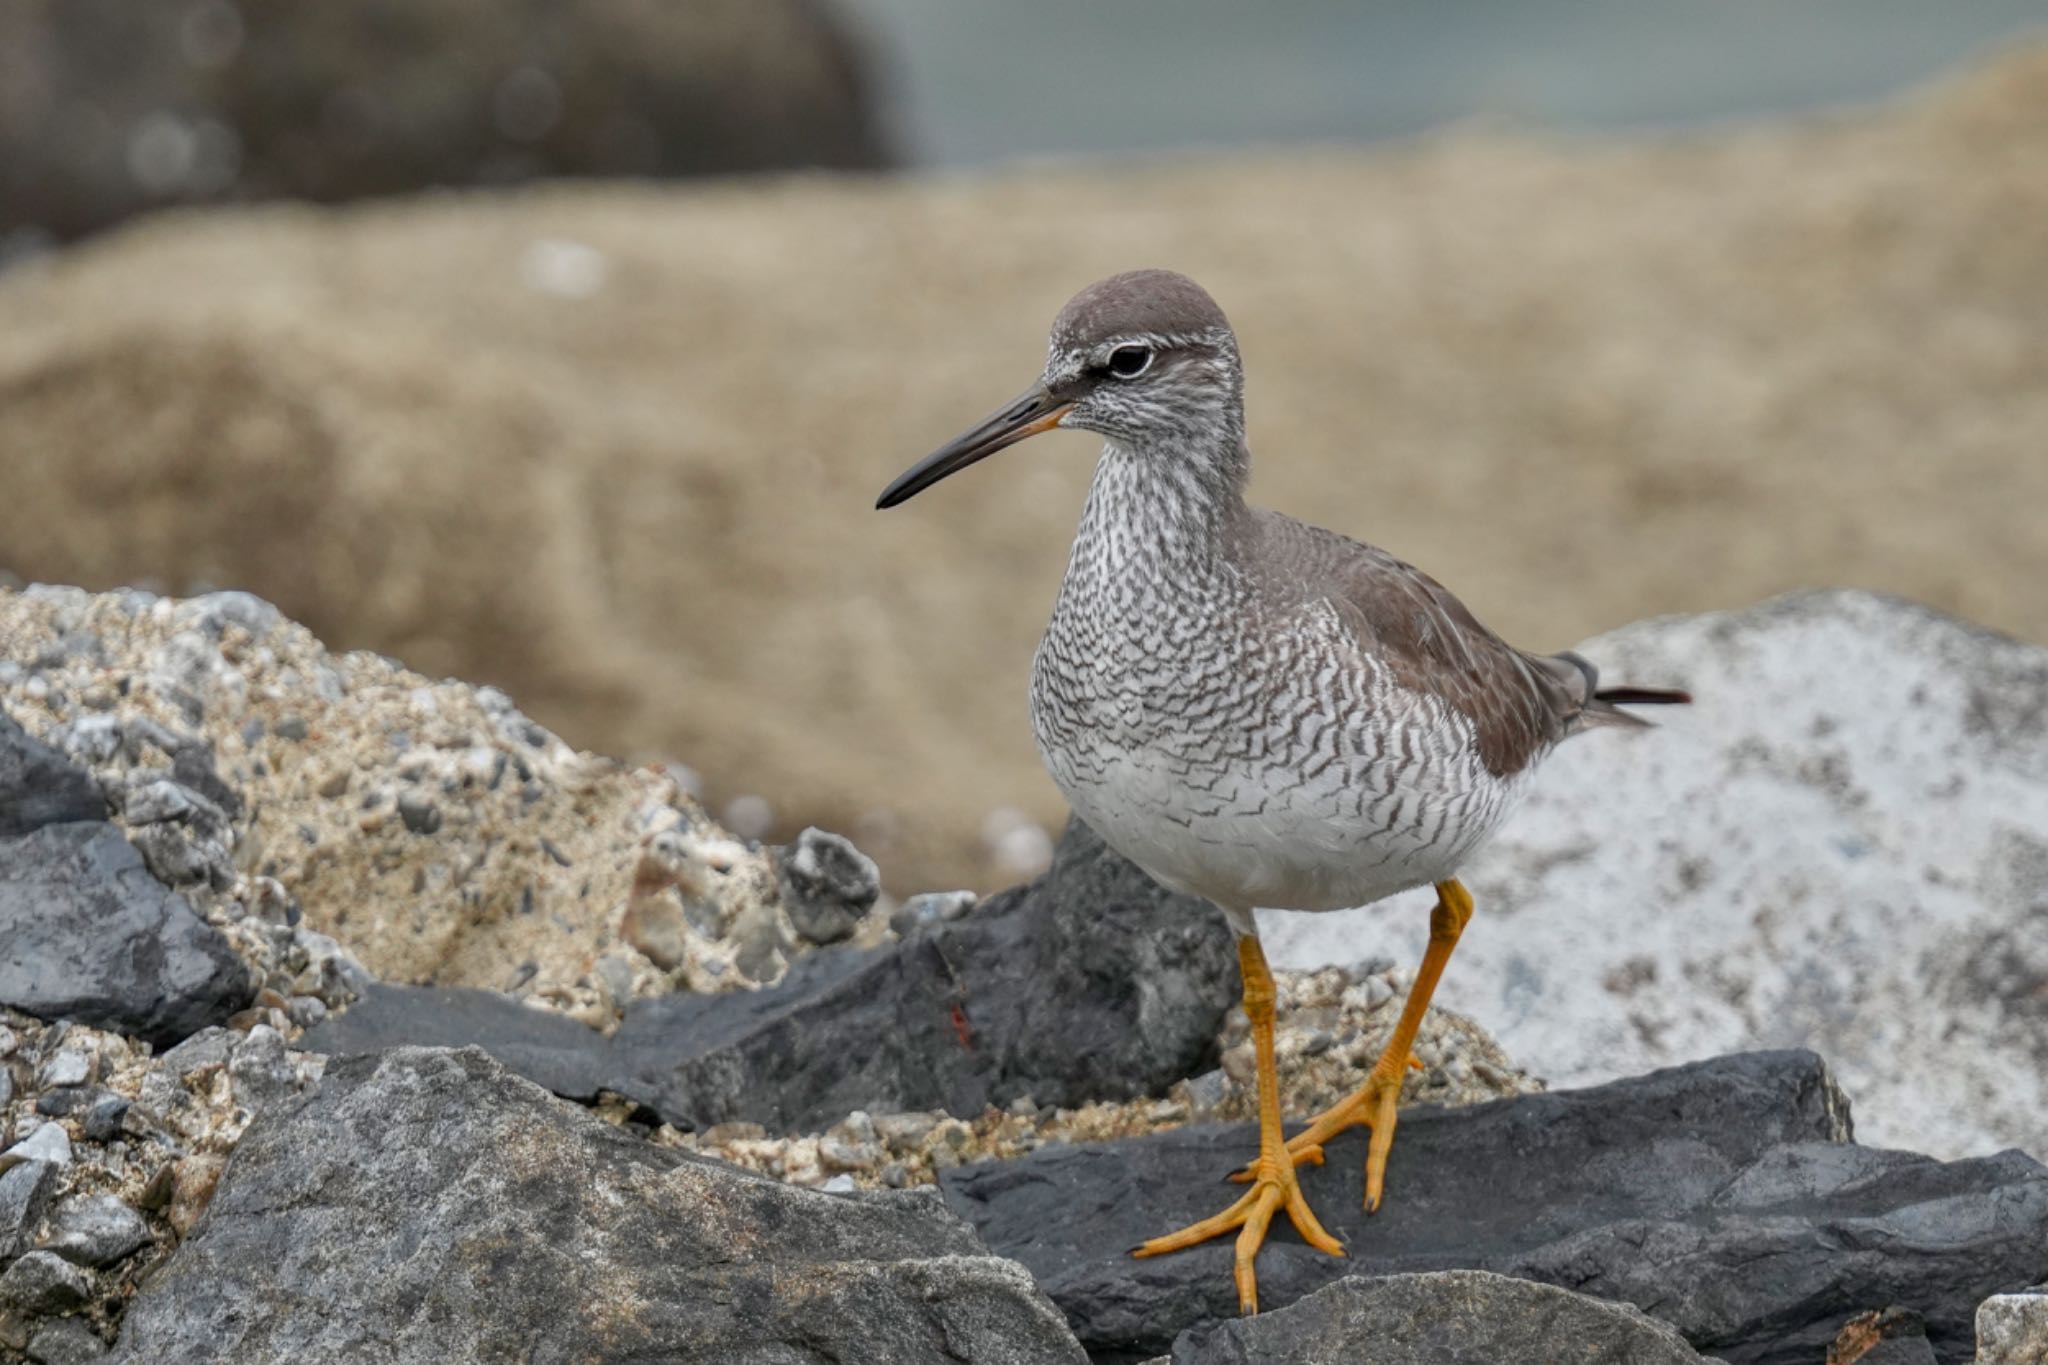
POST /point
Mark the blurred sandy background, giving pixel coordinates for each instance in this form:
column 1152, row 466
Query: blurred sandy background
column 614, row 445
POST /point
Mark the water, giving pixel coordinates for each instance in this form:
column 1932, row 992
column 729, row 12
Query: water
column 977, row 81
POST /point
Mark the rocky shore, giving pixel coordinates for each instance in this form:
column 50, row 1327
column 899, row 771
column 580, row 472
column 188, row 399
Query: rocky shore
column 349, row 1014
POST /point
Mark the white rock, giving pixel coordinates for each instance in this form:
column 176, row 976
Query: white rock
column 1842, row 845
column 48, row 1143
column 2012, row 1329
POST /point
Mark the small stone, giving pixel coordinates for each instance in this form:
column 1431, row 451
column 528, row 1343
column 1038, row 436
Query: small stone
column 62, row 1104
column 836, row 1155
column 1207, row 1092
column 66, row 1341
column 261, row 1068
column 654, row 925
column 96, row 1230
column 421, row 815
column 6, row 1089
column 9, row 1040
column 158, row 1190
column 25, row 1190
column 103, row 1122
column 904, row 1132
column 615, row 972
column 895, row 1175
column 204, row 1051
column 933, row 907
column 719, row 1134
column 195, row 1181
column 69, row 1067
column 307, row 1011
column 48, row 1143
column 292, row 728
column 827, row 885
column 43, row 1282
column 838, row 1184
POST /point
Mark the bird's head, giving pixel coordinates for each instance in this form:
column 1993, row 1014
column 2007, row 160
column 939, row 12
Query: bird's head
column 1145, row 358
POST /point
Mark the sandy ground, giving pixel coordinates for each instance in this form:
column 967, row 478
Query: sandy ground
column 616, row 447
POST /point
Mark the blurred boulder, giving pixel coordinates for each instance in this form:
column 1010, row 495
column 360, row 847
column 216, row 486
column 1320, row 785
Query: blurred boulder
column 109, row 108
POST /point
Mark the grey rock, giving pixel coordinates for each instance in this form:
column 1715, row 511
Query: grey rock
column 96, row 1230
column 65, row 1341
column 43, row 1282
column 1723, row 1197
column 67, row 1102
column 426, row 1204
column 6, row 1088
column 68, row 1067
column 25, row 1190
column 827, row 885
column 420, row 814
column 106, row 1119
column 39, row 786
column 1090, row 983
column 47, row 1143
column 933, row 907
column 205, row 1050
column 214, row 612
column 91, row 935
column 1435, row 1318
column 2012, row 1329
column 261, row 1069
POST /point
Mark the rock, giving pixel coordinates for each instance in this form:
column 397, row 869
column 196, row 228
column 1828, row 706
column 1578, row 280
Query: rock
column 933, row 907
column 91, row 935
column 1724, row 1198
column 419, row 813
column 103, row 1122
column 1090, row 983
column 206, row 1050
column 68, row 1067
column 96, row 1230
column 2012, row 1329
column 1887, row 1336
column 261, row 1070
column 43, row 1282
column 263, row 99
column 47, row 1143
column 827, row 885
column 25, row 1190
column 66, row 1341
column 487, row 1218
column 39, row 786
column 1430, row 1319
column 1859, row 868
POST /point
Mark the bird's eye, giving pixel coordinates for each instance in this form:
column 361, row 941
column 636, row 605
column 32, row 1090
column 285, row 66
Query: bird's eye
column 1128, row 362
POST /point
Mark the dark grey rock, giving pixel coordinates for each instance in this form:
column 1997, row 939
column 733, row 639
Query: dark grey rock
column 1090, row 983
column 87, row 933
column 426, row 1204
column 1724, row 1198
column 65, row 1341
column 207, row 1049
column 1436, row 1319
column 420, row 814
column 104, row 1121
column 25, row 1190
column 827, row 885
column 96, row 1230
column 43, row 1282
column 39, row 786
column 63, row 1104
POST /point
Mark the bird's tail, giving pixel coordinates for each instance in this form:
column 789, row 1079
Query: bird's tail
column 1597, row 705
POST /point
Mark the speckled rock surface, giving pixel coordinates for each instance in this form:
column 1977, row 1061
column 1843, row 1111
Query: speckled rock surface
column 2012, row 1329
column 1723, row 1198
column 1442, row 1318
column 1842, row 845
column 108, row 1154
column 428, row 1204
column 429, row 828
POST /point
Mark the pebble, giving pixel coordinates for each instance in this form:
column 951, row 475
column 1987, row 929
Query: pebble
column 420, row 814
column 65, row 1341
column 48, row 1143
column 104, row 1122
column 96, row 1230
column 2012, row 1329
column 838, row 1184
column 43, row 1282
column 25, row 1189
column 193, row 1190
column 261, row 1069
column 69, row 1067
column 827, row 885
column 933, row 907
column 205, row 1050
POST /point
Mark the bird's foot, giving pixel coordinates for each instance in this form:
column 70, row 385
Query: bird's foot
column 1373, row 1105
column 1273, row 1187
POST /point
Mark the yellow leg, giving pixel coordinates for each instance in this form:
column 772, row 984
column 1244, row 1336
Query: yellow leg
column 1373, row 1103
column 1273, row 1184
